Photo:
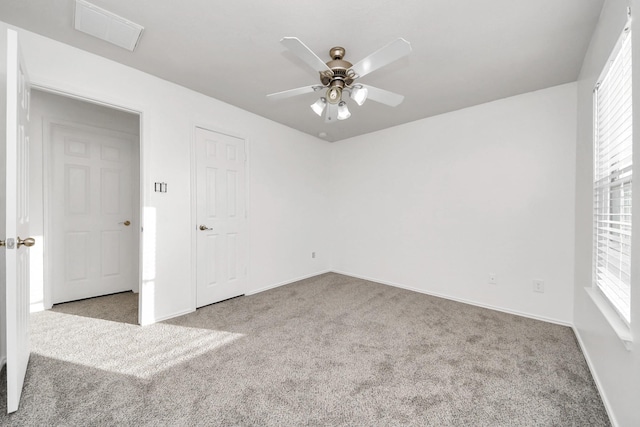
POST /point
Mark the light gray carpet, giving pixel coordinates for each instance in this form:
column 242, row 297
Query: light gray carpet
column 121, row 307
column 330, row 350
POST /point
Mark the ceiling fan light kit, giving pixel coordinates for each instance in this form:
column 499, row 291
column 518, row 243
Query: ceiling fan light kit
column 343, row 111
column 338, row 76
column 318, row 106
column 334, row 94
column 359, row 94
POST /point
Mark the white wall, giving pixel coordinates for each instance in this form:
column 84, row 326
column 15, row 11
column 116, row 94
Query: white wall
column 288, row 174
column 46, row 107
column 616, row 370
column 438, row 204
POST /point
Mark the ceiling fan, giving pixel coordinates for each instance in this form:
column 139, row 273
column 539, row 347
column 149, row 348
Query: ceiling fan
column 339, row 77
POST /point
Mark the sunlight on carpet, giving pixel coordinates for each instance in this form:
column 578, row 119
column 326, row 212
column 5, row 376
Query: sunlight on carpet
column 122, row 348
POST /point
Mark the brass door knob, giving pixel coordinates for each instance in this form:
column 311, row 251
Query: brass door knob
column 205, row 228
column 28, row 242
column 126, row 223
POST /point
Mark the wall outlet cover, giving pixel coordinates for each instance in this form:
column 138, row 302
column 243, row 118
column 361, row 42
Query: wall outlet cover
column 538, row 286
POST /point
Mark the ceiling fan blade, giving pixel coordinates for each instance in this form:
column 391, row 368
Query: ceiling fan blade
column 383, row 96
column 331, row 113
column 303, row 52
column 383, row 56
column 293, row 92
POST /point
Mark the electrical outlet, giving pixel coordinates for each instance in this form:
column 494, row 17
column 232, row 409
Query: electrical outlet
column 538, row 285
column 492, row 279
column 313, row 254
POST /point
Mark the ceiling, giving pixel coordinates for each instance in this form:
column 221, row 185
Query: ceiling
column 465, row 52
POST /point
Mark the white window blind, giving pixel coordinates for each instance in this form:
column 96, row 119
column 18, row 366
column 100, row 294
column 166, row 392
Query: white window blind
column 613, row 171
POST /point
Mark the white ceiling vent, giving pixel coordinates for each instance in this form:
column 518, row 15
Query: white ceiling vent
column 107, row 26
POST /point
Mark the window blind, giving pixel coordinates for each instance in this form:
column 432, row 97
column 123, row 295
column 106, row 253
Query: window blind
column 613, row 171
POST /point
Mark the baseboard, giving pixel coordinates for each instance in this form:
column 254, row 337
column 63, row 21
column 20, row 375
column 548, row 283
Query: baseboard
column 462, row 300
column 596, row 379
column 266, row 288
column 286, row 282
column 169, row 316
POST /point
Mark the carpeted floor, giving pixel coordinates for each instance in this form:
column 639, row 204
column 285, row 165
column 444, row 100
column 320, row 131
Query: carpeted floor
column 330, row 350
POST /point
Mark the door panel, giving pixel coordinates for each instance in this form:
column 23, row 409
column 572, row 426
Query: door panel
column 93, row 249
column 16, row 278
column 220, row 193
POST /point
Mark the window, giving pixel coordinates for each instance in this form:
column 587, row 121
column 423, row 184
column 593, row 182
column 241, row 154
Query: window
column 613, row 171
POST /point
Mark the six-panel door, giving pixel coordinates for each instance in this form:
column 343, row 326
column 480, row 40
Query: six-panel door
column 16, row 224
column 93, row 245
column 221, row 216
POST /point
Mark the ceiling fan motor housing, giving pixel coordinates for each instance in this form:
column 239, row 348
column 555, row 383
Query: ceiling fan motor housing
column 339, row 67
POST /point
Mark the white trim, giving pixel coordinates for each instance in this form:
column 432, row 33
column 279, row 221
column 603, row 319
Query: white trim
column 247, row 216
column 462, row 300
column 193, row 162
column 81, row 97
column 286, row 282
column 169, row 316
column 47, row 278
column 141, row 205
column 596, row 379
column 611, row 316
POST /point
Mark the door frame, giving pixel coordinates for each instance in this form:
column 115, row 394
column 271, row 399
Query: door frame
column 46, row 188
column 194, row 201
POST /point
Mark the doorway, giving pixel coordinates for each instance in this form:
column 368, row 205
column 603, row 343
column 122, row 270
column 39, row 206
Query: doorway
column 85, row 199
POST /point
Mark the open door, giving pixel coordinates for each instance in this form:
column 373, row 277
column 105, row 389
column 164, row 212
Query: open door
column 16, row 221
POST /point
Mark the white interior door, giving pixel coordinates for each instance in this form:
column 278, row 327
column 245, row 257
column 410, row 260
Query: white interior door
column 221, row 217
column 16, row 275
column 93, row 226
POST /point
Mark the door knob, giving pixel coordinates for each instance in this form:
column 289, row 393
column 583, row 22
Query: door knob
column 2, row 243
column 28, row 242
column 126, row 223
column 205, row 228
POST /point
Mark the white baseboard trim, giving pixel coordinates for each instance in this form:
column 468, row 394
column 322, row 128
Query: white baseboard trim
column 462, row 300
column 596, row 379
column 286, row 282
column 266, row 288
column 169, row 316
